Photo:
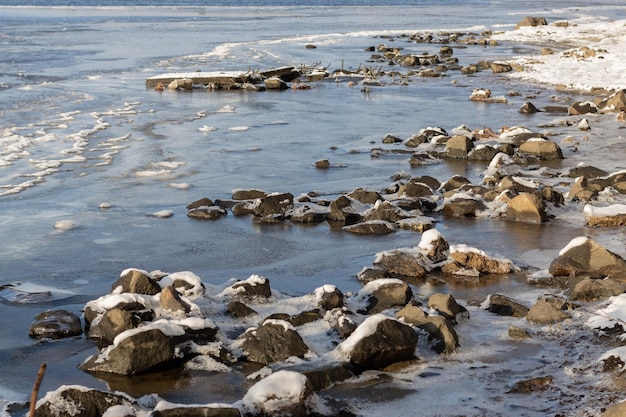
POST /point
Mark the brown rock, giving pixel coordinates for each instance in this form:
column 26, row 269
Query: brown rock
column 526, row 208
column 531, row 21
column 544, row 149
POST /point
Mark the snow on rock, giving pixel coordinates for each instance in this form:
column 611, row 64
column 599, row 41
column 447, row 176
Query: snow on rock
column 611, row 316
column 281, row 393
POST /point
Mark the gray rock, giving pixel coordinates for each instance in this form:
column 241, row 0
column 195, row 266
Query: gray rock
column 391, row 341
column 273, row 204
column 329, row 297
column 346, row 210
column 402, row 263
column 273, row 341
column 197, row 411
column 596, row 289
column 365, row 196
column 55, row 324
column 112, row 323
column 207, row 213
column 251, row 194
column 239, row 310
column 528, row 108
column 463, row 207
column 203, row 202
column 252, row 289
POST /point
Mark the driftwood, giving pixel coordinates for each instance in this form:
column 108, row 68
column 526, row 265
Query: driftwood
column 35, row 393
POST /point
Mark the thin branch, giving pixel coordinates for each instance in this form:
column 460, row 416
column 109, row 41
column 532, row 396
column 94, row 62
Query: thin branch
column 33, row 395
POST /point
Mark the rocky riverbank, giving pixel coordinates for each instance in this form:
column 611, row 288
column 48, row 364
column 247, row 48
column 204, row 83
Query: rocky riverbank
column 301, row 355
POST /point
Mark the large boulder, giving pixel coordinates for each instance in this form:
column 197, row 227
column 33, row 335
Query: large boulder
column 77, row 401
column 384, row 210
column 276, row 204
column 379, row 342
column 273, row 341
column 329, row 297
column 434, row 246
column 113, row 322
column 584, row 257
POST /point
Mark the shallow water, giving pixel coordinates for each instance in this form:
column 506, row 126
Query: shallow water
column 74, row 101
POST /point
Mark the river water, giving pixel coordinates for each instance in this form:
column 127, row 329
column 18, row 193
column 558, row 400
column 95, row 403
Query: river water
column 79, row 129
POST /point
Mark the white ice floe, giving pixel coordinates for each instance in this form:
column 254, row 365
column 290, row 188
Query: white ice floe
column 603, row 68
column 207, row 129
column 163, row 214
column 65, row 225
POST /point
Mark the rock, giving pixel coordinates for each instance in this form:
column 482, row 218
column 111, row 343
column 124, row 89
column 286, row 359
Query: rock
column 616, row 102
column 273, row 204
column 75, row 401
column 463, row 207
column 346, row 210
column 532, row 385
column 248, row 194
column 484, row 95
column 531, row 21
column 616, row 410
column 341, row 322
column 383, row 294
column 528, row 108
column 425, row 135
column 212, row 410
column 526, row 208
column 391, row 138
column 584, row 257
column 55, row 324
column 415, row 189
column 113, row 322
column 365, row 196
column 308, row 213
column 405, row 263
column 379, row 342
column 500, row 67
column 518, row 333
column 329, row 297
column 322, row 376
column 610, row 216
column 586, row 171
column 446, row 305
column 373, row 227
column 385, row 211
column 322, row 164
column 207, row 213
column 437, row 327
column 253, row 287
column 283, row 393
column 458, row 147
column 203, row 202
column 585, row 107
column 545, row 312
column 505, row 306
column 275, row 83
column 136, row 281
column 543, row 149
column 482, row 153
column 584, row 190
column 510, row 183
column 454, row 183
column 170, row 300
column 596, row 289
column 239, row 310
column 434, row 246
column 138, row 353
column 273, row 341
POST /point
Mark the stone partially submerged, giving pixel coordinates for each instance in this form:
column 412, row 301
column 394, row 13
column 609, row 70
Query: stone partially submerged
column 584, row 257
